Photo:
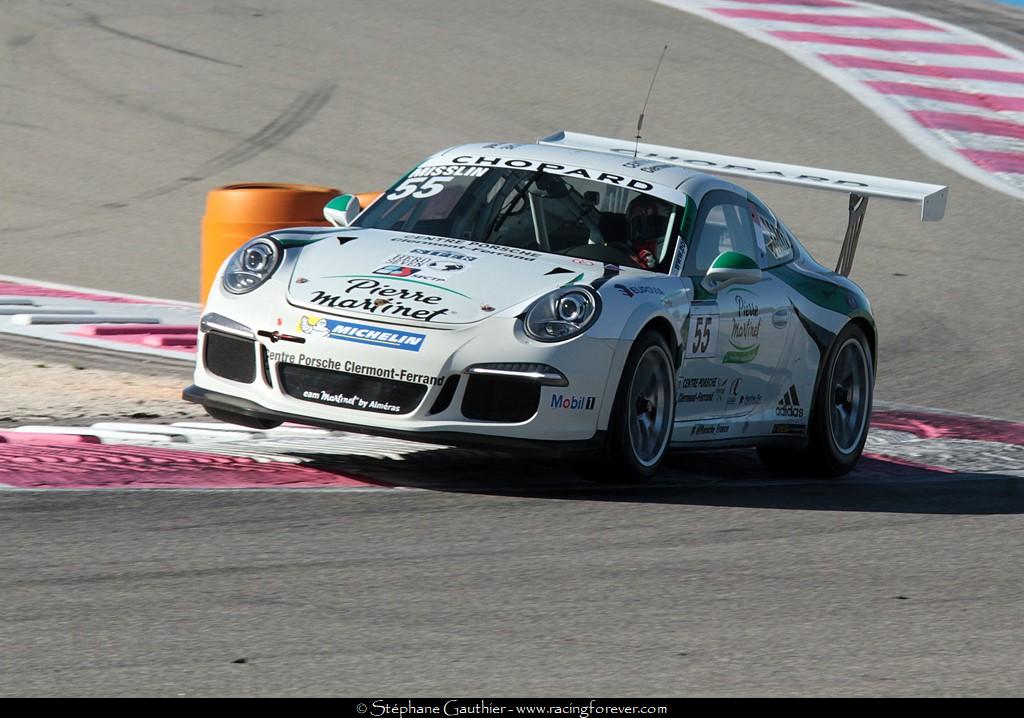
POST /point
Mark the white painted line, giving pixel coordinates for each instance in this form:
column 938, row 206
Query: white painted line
column 20, row 311
column 246, row 490
column 77, row 317
column 105, row 436
column 186, row 434
column 138, row 298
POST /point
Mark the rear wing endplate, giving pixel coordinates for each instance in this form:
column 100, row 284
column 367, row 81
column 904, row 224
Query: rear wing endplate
column 931, row 197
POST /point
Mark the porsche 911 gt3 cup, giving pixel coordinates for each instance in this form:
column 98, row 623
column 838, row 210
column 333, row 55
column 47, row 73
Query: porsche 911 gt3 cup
column 603, row 300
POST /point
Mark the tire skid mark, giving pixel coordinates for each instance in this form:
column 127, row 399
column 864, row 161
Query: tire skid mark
column 298, row 113
column 96, row 22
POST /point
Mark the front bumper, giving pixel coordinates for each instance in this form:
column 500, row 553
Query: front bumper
column 232, row 405
column 314, row 378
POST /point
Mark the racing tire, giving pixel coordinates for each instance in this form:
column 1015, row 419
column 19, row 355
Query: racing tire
column 640, row 426
column 840, row 413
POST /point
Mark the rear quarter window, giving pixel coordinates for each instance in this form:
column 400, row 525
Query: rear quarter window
column 777, row 247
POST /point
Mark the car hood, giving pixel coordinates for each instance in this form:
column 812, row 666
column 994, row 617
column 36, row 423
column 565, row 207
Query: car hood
column 420, row 279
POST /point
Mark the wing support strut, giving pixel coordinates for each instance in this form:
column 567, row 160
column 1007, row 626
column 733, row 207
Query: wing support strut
column 858, row 208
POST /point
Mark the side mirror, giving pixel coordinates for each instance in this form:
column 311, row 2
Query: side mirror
column 731, row 268
column 342, row 210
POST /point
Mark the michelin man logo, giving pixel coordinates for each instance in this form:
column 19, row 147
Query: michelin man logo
column 312, row 325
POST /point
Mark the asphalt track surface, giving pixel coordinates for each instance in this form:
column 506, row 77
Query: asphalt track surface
column 117, row 117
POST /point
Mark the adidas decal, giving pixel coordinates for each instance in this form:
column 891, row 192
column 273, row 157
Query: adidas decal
column 789, row 405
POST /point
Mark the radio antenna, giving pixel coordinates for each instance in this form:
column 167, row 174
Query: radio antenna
column 640, row 122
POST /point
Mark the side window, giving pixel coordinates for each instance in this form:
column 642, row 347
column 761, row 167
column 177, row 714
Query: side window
column 723, row 224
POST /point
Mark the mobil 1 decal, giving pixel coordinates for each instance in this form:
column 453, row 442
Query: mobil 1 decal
column 703, row 334
column 744, row 342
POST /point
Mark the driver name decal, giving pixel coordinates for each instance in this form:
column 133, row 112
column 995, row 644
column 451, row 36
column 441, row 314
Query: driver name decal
column 449, row 171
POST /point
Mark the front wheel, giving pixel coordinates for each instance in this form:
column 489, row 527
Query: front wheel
column 642, row 415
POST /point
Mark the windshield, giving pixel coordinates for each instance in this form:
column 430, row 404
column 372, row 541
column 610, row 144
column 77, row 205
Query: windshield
column 531, row 210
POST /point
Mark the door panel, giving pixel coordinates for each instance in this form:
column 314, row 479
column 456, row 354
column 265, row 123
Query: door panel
column 736, row 337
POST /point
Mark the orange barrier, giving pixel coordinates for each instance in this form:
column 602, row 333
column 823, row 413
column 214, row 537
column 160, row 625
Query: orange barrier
column 367, row 198
column 237, row 213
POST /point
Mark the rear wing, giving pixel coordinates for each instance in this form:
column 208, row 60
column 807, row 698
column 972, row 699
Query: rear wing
column 931, row 197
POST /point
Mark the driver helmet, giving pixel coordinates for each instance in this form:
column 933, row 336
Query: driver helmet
column 646, row 220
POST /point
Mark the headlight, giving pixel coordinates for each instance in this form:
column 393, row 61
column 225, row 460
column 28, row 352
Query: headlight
column 252, row 265
column 562, row 314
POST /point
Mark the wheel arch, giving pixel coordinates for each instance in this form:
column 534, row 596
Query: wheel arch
column 867, row 326
column 632, row 330
column 664, row 328
column 871, row 333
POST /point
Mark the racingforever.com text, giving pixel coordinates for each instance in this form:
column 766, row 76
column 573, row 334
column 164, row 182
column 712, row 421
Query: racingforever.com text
column 457, row 707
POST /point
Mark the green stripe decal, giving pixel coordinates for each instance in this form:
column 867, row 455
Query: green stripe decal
column 823, row 292
column 298, row 242
column 741, row 356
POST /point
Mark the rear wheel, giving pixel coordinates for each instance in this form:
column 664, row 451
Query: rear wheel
column 642, row 415
column 838, row 425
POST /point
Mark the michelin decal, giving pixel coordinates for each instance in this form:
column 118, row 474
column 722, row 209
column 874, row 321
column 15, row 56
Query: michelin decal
column 363, row 334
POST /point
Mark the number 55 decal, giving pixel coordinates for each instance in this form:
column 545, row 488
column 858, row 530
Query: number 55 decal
column 703, row 335
column 420, row 188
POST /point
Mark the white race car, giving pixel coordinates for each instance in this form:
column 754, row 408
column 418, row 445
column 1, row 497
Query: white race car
column 599, row 299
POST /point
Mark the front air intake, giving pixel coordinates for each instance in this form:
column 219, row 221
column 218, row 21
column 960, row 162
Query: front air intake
column 230, row 357
column 500, row 398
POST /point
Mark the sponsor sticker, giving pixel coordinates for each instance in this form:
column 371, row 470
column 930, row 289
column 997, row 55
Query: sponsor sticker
column 746, row 326
column 571, row 402
column 443, row 253
column 680, row 258
column 708, row 429
column 408, row 260
column 405, row 375
column 449, row 248
column 379, row 297
column 789, row 428
column 553, row 168
column 313, row 325
column 632, row 291
column 789, row 405
column 351, row 401
column 403, row 265
column 646, row 165
column 362, row 333
column 396, row 270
